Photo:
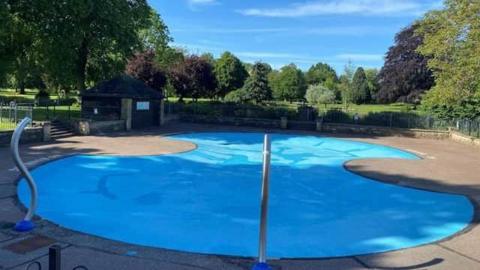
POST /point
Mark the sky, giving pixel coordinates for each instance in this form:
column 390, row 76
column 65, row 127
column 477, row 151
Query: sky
column 281, row 32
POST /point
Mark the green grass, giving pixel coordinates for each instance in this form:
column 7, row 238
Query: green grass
column 62, row 112
column 28, row 97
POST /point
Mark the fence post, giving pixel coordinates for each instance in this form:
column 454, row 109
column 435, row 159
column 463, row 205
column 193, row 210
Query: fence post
column 15, row 113
column 469, row 127
column 391, row 119
column 478, row 129
column 55, row 258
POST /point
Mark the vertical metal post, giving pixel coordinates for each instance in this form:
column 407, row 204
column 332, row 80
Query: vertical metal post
column 26, row 224
column 55, row 258
column 16, row 113
column 262, row 246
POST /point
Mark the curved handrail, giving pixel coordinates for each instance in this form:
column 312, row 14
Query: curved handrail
column 26, row 224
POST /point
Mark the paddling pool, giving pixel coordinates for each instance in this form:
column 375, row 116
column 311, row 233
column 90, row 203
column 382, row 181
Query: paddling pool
column 207, row 200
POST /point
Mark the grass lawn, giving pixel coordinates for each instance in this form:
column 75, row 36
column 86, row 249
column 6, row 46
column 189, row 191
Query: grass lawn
column 28, row 97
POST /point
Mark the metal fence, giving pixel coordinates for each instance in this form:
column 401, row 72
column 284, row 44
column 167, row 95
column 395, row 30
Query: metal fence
column 304, row 117
column 11, row 114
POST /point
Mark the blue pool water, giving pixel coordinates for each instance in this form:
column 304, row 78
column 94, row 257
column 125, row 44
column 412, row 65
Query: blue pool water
column 207, row 200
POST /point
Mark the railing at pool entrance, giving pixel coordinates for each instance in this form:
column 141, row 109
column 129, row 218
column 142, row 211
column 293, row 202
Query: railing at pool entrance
column 26, row 224
column 54, row 261
column 262, row 245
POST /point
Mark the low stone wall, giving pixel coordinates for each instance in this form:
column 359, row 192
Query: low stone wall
column 30, row 135
column 231, row 121
column 458, row 137
column 315, row 126
column 88, row 127
column 383, row 131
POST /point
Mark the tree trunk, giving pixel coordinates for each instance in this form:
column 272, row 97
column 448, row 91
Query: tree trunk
column 82, row 65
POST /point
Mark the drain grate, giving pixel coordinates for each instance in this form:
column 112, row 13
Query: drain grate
column 30, row 244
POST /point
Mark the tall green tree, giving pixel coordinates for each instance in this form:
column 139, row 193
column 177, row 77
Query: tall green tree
column 321, row 73
column 85, row 41
column 360, row 89
column 257, row 87
column 230, row 74
column 17, row 45
column 288, row 84
column 345, row 85
column 155, row 35
column 405, row 75
column 451, row 41
column 372, row 79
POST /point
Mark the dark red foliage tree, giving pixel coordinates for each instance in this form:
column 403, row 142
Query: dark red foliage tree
column 142, row 66
column 193, row 78
column 405, row 75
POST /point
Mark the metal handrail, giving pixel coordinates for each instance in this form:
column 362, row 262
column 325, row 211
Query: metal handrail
column 26, row 224
column 262, row 246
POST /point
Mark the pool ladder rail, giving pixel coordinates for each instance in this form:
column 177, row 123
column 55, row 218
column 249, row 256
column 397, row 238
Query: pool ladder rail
column 26, row 224
column 262, row 246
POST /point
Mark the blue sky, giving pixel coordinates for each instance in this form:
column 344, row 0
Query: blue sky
column 280, row 32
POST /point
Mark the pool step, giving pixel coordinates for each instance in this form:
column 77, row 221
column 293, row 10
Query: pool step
column 60, row 130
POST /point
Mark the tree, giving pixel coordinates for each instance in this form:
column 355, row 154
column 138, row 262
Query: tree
column 319, row 94
column 155, row 36
column 142, row 66
column 193, row 77
column 451, row 43
column 345, row 84
column 321, row 73
column 17, row 46
column 289, row 84
column 373, row 87
column 405, row 75
column 230, row 74
column 256, row 87
column 85, row 41
column 209, row 58
column 360, row 89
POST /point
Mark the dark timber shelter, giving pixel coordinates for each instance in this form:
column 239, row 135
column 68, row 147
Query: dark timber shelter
column 123, row 98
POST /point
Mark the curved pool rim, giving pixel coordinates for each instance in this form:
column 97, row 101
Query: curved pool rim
column 475, row 219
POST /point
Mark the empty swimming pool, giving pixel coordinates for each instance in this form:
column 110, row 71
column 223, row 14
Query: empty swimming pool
column 207, row 200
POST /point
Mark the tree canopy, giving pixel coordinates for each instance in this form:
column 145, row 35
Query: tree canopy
column 288, row 84
column 230, row 73
column 142, row 66
column 360, row 90
column 319, row 94
column 405, row 75
column 321, row 73
column 451, row 42
column 80, row 42
column 193, row 78
column 257, row 87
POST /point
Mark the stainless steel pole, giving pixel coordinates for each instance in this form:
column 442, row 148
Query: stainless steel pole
column 262, row 247
column 26, row 224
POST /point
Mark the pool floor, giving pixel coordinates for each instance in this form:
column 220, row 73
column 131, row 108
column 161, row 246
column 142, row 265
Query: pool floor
column 207, row 200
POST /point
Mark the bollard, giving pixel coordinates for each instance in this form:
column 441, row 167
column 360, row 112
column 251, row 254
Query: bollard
column 55, row 258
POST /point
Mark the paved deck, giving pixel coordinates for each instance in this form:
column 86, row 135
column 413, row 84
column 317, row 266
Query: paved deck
column 447, row 167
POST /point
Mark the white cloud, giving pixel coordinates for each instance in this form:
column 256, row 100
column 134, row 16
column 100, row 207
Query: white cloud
column 195, row 4
column 202, row 2
column 360, row 57
column 319, row 31
column 344, row 7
